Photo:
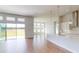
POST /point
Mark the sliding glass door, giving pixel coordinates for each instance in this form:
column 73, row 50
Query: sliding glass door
column 11, row 31
column 15, row 31
column 2, row 31
column 12, row 27
column 20, row 31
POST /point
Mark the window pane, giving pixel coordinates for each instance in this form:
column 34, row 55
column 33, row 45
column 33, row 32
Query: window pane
column 1, row 17
column 20, row 33
column 20, row 25
column 11, row 25
column 38, row 30
column 38, row 24
column 34, row 24
column 21, row 19
column 11, row 33
column 34, row 30
column 10, row 19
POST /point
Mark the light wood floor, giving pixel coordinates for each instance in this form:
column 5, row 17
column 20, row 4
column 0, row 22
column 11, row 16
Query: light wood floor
column 30, row 46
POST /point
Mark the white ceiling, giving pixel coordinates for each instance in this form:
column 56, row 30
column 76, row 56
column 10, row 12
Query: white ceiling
column 33, row 10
